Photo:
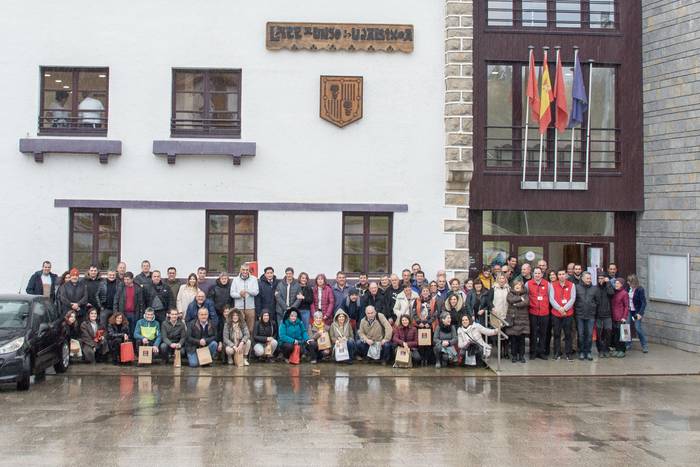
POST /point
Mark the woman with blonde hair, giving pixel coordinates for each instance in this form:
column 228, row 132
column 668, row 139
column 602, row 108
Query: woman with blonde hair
column 187, row 294
column 236, row 336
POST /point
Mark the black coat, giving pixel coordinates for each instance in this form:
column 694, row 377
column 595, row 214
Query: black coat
column 164, row 294
column 120, row 298
column 604, row 294
column 92, row 287
column 266, row 295
column 377, row 301
column 389, row 301
column 220, row 295
column 173, row 333
column 72, row 293
column 308, row 293
column 586, row 301
column 142, row 279
column 36, row 287
column 261, row 331
column 106, row 293
column 195, row 333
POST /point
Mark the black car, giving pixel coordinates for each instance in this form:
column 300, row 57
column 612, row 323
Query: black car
column 31, row 339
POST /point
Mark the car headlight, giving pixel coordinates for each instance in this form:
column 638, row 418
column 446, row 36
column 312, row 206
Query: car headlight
column 12, row 346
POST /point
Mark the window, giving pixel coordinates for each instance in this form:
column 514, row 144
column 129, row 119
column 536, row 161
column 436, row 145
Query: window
column 499, row 138
column 232, row 239
column 580, row 14
column 505, row 123
column 74, row 101
column 206, row 103
column 367, row 243
column 95, row 238
column 548, row 223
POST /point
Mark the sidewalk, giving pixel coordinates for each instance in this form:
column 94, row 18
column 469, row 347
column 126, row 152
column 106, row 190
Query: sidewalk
column 661, row 360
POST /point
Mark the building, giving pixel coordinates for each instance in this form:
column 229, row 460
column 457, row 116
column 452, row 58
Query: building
column 157, row 131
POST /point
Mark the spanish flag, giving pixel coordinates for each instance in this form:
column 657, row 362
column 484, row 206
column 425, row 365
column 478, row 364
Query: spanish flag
column 532, row 96
column 546, row 97
column 562, row 117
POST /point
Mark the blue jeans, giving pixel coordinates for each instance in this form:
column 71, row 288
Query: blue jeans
column 585, row 334
column 640, row 332
column 192, row 356
column 305, row 317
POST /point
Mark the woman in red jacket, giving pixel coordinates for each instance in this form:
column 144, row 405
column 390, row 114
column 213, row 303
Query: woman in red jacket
column 620, row 307
column 323, row 299
column 406, row 335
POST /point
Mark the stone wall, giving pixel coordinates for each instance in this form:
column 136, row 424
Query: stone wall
column 458, row 129
column 671, row 220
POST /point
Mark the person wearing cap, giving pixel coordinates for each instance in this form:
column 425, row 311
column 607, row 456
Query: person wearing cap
column 73, row 296
column 603, row 317
column 353, row 307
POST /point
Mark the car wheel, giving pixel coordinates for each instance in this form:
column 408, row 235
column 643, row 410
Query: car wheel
column 64, row 359
column 25, row 378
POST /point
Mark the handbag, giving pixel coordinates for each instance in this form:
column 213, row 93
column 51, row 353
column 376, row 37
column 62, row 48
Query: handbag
column 204, row 356
column 341, row 352
column 450, row 352
column 403, row 357
column 295, row 357
column 625, row 333
column 424, row 337
column 470, row 360
column 126, row 352
column 145, row 355
column 375, row 351
column 324, row 342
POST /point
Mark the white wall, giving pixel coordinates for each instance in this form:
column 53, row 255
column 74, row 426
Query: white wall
column 393, row 155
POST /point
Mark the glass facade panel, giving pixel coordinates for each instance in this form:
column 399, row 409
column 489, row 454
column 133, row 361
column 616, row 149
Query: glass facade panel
column 602, row 14
column 534, row 14
column 495, row 252
column 548, row 223
column 499, row 105
column 500, row 13
column 568, row 13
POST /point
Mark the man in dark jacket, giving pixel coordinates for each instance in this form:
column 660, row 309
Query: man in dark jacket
column 129, row 300
column 352, row 306
column 43, row 282
column 174, row 283
column 106, row 293
column 73, row 296
column 220, row 296
column 92, row 285
column 267, row 286
column 390, row 298
column 201, row 301
column 145, row 276
column 375, row 298
column 173, row 334
column 287, row 295
column 201, row 333
column 157, row 295
column 585, row 306
column 603, row 317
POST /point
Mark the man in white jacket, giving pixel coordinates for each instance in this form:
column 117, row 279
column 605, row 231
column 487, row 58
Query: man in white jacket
column 244, row 289
column 405, row 302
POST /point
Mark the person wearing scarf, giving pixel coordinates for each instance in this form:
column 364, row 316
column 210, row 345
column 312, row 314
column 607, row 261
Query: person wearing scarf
column 236, row 337
column 444, row 340
column 316, row 328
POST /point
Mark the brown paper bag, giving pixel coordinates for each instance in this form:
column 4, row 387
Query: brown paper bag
column 324, row 342
column 75, row 349
column 238, row 358
column 177, row 361
column 203, row 356
column 424, row 337
column 268, row 349
column 145, row 355
column 403, row 357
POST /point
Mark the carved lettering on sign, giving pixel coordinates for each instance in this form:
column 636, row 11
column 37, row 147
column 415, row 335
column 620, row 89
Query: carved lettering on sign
column 340, row 36
column 341, row 99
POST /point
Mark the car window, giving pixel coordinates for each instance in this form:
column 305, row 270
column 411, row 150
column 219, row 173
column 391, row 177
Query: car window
column 13, row 314
column 40, row 314
column 52, row 311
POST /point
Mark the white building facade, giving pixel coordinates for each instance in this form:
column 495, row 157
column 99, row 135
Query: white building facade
column 369, row 196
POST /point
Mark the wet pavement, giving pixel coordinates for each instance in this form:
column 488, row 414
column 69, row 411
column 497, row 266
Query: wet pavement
column 361, row 415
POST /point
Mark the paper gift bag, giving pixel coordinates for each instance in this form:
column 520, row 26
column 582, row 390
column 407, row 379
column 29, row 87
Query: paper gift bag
column 203, row 356
column 75, row 349
column 145, row 355
column 238, row 358
column 177, row 360
column 126, row 352
column 403, row 357
column 295, row 357
column 424, row 337
column 625, row 333
column 268, row 350
column 341, row 352
column 324, row 342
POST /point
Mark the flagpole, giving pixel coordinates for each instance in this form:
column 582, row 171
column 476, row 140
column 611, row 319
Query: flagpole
column 556, row 132
column 539, row 169
column 573, row 131
column 527, row 118
column 588, row 128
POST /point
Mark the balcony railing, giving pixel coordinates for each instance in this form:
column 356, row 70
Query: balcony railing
column 86, row 123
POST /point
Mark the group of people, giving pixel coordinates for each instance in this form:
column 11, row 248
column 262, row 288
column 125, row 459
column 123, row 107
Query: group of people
column 406, row 320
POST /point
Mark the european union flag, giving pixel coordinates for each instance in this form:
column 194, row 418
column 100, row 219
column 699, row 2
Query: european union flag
column 579, row 100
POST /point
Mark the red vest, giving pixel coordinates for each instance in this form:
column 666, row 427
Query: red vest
column 539, row 297
column 562, row 295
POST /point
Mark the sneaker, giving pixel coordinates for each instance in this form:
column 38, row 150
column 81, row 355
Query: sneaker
column 313, row 362
column 569, row 358
column 581, row 356
column 246, row 362
column 522, row 359
column 514, row 359
column 437, row 365
column 589, row 357
column 645, row 350
column 557, row 357
column 543, row 357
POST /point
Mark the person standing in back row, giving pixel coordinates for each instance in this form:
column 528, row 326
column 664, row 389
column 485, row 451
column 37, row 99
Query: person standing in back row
column 244, row 289
column 43, row 282
column 638, row 304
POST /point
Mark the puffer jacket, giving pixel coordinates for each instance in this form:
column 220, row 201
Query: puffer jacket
column 586, row 301
column 518, row 314
column 442, row 334
column 220, row 295
column 604, row 294
column 407, row 334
